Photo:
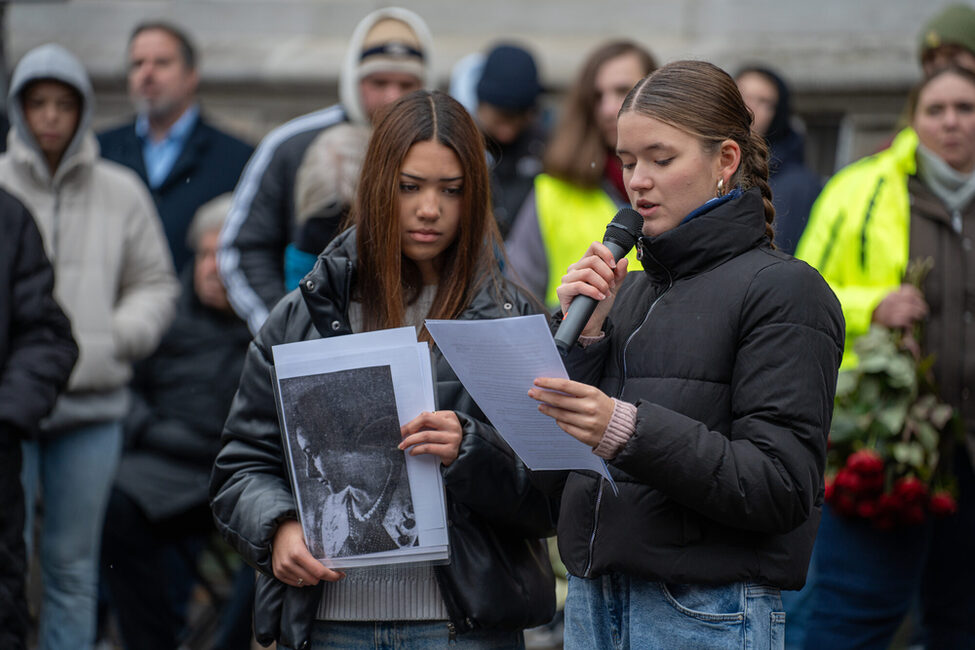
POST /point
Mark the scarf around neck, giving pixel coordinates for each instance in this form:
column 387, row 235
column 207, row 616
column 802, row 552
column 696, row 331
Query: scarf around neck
column 955, row 189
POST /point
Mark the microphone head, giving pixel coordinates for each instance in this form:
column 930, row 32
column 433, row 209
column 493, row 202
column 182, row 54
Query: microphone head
column 625, row 228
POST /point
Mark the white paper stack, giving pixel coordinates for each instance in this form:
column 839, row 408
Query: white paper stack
column 341, row 402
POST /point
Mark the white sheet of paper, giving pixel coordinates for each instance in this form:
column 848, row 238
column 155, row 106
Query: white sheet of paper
column 339, row 345
column 497, row 361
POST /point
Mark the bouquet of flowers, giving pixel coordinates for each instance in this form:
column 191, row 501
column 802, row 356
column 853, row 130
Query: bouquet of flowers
column 887, row 429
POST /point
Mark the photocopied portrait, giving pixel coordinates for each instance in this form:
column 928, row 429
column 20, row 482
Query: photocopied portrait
column 353, row 494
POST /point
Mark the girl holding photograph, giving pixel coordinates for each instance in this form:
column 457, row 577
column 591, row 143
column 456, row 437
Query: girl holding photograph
column 424, row 246
column 706, row 381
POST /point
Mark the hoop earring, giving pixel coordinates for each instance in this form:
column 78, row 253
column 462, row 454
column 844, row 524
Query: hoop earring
column 720, row 192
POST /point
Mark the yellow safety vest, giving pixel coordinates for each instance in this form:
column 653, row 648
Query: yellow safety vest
column 570, row 218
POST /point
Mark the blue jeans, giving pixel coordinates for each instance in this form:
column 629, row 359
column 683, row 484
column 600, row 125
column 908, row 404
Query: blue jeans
column 797, row 605
column 867, row 579
column 406, row 635
column 617, row 612
column 75, row 472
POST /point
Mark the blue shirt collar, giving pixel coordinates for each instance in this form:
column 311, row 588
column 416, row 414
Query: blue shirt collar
column 178, row 132
column 712, row 203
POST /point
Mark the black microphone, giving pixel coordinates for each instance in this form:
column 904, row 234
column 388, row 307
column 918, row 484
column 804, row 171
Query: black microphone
column 621, row 235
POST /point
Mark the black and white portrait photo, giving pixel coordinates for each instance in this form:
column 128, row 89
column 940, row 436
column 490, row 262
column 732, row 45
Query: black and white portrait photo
column 342, row 431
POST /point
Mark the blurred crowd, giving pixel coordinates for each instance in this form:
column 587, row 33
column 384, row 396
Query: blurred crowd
column 137, row 264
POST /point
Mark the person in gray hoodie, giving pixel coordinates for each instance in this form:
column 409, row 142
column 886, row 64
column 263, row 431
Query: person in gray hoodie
column 114, row 279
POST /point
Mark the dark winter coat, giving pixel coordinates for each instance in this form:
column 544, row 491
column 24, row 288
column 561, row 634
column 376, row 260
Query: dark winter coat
column 209, row 165
column 36, row 357
column 794, row 189
column 37, row 351
column 180, row 399
column 498, row 576
column 730, row 351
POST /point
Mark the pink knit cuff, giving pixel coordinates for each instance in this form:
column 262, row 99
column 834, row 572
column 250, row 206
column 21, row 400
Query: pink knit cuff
column 621, row 426
column 586, row 341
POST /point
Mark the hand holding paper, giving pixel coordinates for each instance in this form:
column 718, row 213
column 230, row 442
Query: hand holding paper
column 498, row 362
column 581, row 410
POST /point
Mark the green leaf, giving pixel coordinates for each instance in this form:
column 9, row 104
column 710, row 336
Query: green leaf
column 846, row 383
column 941, row 415
column 901, row 371
column 908, row 453
column 844, row 428
column 891, row 417
column 927, row 436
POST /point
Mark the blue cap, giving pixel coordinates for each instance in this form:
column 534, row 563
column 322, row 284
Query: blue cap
column 510, row 79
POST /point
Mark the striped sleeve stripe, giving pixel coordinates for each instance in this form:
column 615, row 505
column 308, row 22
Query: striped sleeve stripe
column 242, row 296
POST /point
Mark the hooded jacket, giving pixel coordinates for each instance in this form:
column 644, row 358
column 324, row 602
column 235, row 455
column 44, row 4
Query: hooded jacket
column 113, row 272
column 729, row 349
column 261, row 222
column 794, row 186
column 498, row 576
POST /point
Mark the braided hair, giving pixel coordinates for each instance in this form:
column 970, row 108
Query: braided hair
column 703, row 100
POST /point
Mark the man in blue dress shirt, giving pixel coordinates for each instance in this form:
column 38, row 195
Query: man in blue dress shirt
column 183, row 160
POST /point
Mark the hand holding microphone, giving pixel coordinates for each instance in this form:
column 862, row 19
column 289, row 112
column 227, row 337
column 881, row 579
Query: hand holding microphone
column 589, row 288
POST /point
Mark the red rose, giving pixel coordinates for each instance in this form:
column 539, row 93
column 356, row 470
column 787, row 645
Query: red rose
column 830, row 491
column 910, row 489
column 942, row 504
column 865, row 462
column 867, row 509
column 889, row 504
column 872, row 483
column 847, row 481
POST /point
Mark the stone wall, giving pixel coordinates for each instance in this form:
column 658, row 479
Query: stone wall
column 264, row 61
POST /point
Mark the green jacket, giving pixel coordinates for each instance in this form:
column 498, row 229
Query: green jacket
column 859, row 233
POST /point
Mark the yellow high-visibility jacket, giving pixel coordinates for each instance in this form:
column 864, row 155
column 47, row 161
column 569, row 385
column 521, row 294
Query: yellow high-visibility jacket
column 859, row 233
column 569, row 219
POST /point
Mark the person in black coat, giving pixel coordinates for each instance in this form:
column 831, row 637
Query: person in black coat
column 706, row 381
column 183, row 159
column 424, row 245
column 794, row 186
column 37, row 353
column 158, row 516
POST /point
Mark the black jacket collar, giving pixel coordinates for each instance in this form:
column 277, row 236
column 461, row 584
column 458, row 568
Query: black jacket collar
column 705, row 241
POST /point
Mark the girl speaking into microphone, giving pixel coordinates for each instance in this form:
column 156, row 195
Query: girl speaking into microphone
column 706, row 381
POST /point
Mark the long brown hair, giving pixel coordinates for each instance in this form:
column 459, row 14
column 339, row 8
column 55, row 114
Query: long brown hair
column 576, row 152
column 703, row 100
column 387, row 280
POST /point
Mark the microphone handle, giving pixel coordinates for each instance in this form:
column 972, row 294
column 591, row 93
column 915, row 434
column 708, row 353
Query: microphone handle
column 580, row 310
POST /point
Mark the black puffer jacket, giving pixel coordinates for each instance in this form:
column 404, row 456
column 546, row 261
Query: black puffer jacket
column 37, row 350
column 498, row 576
column 730, row 351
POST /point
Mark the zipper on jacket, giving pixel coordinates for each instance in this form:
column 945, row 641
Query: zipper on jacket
column 55, row 226
column 595, row 523
column 670, row 284
column 619, row 393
